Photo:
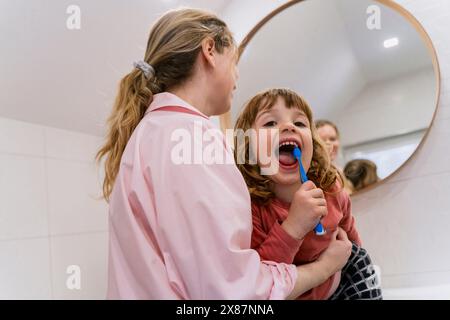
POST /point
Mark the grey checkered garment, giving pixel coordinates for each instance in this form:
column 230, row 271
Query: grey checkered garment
column 358, row 278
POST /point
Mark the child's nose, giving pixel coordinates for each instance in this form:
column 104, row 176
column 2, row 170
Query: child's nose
column 286, row 127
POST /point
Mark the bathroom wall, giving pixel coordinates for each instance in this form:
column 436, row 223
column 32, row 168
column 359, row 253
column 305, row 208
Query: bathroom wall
column 49, row 216
column 405, row 221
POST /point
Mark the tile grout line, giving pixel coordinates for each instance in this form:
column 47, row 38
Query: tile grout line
column 48, row 214
column 416, row 177
column 416, row 273
column 18, row 154
column 54, row 235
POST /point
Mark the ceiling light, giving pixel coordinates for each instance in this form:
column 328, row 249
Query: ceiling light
column 389, row 43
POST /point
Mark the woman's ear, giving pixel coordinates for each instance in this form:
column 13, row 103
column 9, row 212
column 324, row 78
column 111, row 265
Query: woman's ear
column 209, row 51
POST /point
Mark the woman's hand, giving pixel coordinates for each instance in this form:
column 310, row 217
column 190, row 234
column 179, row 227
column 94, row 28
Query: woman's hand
column 332, row 260
column 336, row 255
column 307, row 208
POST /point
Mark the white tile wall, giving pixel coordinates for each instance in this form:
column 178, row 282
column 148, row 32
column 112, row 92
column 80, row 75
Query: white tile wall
column 416, row 280
column 23, row 197
column 88, row 251
column 25, row 269
column 73, row 192
column 49, row 213
column 404, row 223
column 21, row 138
column 68, row 145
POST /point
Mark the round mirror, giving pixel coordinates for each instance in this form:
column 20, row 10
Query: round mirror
column 367, row 69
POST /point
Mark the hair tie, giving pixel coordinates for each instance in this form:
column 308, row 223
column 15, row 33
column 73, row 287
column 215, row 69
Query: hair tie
column 146, row 68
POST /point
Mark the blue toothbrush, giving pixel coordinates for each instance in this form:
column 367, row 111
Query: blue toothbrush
column 319, row 230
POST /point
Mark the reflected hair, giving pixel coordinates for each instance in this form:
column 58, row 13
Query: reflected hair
column 321, row 122
column 361, row 173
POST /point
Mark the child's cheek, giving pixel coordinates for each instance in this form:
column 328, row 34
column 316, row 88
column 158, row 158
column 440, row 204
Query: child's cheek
column 308, row 155
column 266, row 146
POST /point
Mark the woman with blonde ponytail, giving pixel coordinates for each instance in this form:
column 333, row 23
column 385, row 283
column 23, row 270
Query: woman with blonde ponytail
column 182, row 230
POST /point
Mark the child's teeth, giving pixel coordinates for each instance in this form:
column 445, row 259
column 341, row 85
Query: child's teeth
column 292, row 143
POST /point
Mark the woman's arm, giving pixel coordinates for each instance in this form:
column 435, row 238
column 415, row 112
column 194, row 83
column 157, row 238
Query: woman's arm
column 309, row 276
column 330, row 261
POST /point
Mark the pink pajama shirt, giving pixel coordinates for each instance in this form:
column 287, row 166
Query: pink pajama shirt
column 183, row 231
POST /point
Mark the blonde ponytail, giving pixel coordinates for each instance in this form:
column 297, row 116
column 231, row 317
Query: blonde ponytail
column 173, row 46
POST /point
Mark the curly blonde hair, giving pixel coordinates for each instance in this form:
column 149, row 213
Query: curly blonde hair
column 322, row 172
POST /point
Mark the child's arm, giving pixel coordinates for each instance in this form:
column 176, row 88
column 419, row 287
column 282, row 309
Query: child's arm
column 348, row 221
column 274, row 244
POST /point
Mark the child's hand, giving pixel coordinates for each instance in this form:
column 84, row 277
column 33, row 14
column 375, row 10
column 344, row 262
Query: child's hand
column 336, row 255
column 307, row 208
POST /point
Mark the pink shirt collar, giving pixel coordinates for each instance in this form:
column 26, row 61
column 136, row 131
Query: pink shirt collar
column 169, row 99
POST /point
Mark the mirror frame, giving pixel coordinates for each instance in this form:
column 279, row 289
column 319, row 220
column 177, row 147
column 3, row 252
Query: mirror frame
column 225, row 119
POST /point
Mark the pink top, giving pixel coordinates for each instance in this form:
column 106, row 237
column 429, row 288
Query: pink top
column 183, row 231
column 272, row 242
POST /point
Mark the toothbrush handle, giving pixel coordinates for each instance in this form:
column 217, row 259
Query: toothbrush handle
column 303, row 175
column 319, row 230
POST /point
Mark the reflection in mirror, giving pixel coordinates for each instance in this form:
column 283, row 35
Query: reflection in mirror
column 360, row 64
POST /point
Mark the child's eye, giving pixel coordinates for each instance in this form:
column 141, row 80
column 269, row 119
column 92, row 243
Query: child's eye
column 299, row 124
column 269, row 124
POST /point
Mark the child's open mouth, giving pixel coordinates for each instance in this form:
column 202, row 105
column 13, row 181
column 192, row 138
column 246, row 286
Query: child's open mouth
column 285, row 157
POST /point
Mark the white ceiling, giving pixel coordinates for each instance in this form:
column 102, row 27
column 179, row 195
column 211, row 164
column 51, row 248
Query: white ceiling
column 376, row 62
column 67, row 78
column 324, row 51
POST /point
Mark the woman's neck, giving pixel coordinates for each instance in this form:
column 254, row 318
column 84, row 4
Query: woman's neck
column 286, row 192
column 193, row 92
